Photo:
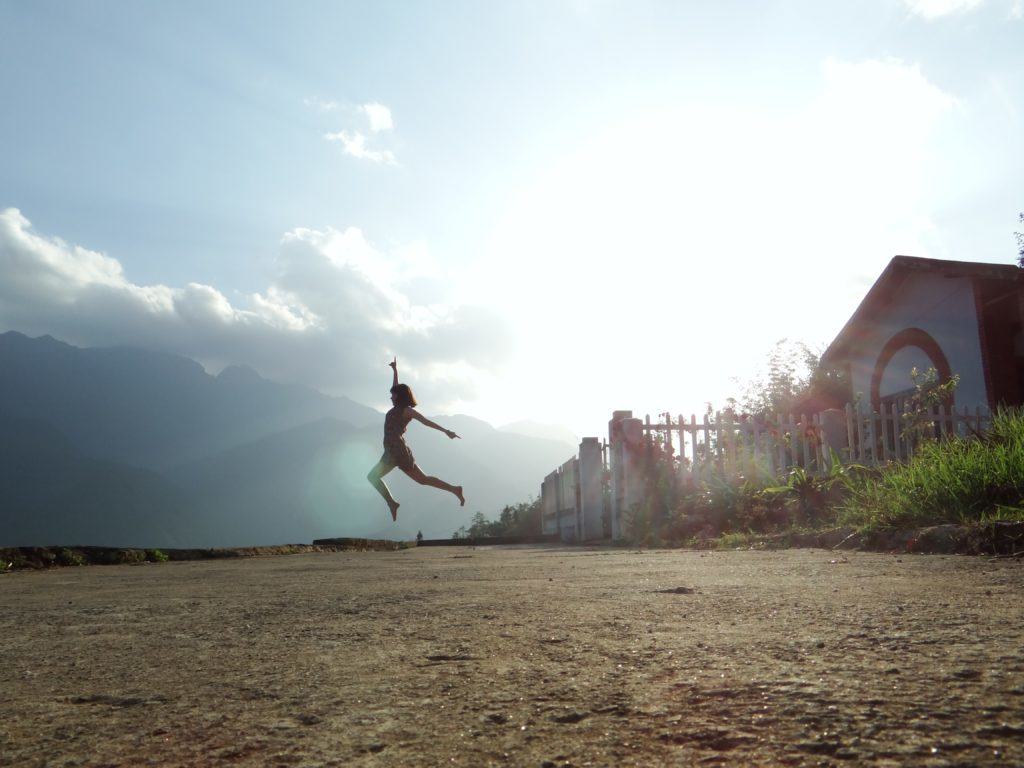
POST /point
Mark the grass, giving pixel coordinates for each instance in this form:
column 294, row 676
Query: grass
column 736, row 540
column 950, row 481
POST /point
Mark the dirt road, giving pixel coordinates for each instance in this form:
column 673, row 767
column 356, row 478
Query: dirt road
column 517, row 656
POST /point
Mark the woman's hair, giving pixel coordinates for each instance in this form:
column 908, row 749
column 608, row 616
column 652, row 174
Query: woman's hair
column 403, row 395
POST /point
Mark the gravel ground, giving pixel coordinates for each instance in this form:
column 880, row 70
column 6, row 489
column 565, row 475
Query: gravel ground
column 535, row 656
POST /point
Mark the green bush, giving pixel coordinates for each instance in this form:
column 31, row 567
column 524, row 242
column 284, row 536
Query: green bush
column 67, row 556
column 955, row 480
column 675, row 511
column 156, row 556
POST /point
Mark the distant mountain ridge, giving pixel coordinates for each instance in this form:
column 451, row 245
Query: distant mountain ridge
column 130, row 447
column 52, row 494
column 151, row 409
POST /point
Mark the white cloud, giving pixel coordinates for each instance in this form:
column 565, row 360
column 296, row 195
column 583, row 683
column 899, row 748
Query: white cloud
column 321, row 105
column 354, row 144
column 934, row 9
column 1017, row 10
column 332, row 314
column 378, row 115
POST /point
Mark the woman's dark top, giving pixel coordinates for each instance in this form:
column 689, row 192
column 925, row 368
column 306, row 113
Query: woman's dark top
column 396, row 452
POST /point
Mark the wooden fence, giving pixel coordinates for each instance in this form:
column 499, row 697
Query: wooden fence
column 726, row 444
column 585, row 498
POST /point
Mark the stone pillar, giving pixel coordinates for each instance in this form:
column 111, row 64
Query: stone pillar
column 590, row 471
column 625, row 441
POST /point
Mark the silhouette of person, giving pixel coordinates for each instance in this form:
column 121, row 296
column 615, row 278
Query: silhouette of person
column 396, row 451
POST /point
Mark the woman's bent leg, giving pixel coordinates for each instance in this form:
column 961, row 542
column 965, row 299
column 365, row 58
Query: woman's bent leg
column 423, row 478
column 376, row 478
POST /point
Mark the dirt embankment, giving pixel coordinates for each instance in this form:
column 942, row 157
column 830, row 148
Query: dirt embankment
column 14, row 558
column 534, row 656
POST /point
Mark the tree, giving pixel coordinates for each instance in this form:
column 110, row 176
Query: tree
column 1020, row 243
column 521, row 519
column 793, row 373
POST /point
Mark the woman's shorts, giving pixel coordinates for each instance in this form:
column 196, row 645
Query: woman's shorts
column 398, row 455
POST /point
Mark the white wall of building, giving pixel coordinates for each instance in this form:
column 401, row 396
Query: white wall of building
column 942, row 307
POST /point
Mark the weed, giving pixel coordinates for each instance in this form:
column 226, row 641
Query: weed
column 735, row 540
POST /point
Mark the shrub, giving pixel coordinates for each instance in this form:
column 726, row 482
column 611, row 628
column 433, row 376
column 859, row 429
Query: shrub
column 955, row 480
column 67, row 556
column 156, row 556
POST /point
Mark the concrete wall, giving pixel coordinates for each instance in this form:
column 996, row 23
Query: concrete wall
column 568, row 511
column 549, row 504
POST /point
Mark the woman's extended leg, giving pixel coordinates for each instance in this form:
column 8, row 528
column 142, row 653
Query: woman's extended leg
column 422, row 478
column 376, row 478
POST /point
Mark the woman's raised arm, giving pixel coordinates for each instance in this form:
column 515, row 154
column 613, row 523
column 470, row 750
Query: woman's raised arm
column 394, row 372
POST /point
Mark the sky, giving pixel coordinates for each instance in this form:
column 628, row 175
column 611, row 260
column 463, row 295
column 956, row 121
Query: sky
column 546, row 210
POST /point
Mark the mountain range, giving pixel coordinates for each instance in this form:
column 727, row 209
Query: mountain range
column 122, row 446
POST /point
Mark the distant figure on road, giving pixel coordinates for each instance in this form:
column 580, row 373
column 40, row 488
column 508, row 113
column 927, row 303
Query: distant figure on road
column 397, row 453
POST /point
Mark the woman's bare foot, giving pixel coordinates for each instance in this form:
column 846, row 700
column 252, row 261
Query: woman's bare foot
column 393, row 506
column 458, row 494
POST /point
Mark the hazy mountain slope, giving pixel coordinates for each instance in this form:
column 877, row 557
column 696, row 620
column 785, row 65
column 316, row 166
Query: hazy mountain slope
column 310, row 482
column 555, row 432
column 148, row 408
column 51, row 494
column 244, row 460
column 517, row 463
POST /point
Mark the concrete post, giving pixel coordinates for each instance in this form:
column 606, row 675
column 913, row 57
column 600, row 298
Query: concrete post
column 590, row 470
column 625, row 442
column 616, row 448
column 833, row 433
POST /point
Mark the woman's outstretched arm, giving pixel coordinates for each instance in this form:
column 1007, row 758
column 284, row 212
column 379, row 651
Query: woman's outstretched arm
column 424, row 420
column 394, row 372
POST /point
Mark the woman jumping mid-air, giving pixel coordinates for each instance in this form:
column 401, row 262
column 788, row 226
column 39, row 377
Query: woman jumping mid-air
column 397, row 453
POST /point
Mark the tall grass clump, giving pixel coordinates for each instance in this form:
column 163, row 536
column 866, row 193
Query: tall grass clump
column 956, row 480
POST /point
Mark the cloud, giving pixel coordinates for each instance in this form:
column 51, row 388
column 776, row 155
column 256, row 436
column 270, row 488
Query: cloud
column 321, row 105
column 354, row 144
column 378, row 115
column 888, row 94
column 934, row 9
column 333, row 312
column 372, row 117
column 1017, row 10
